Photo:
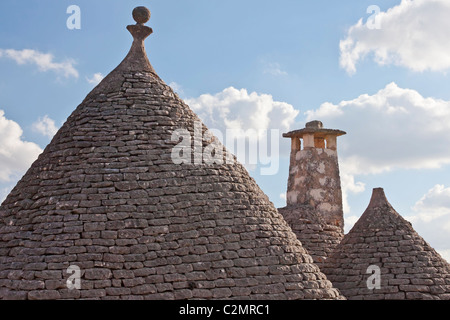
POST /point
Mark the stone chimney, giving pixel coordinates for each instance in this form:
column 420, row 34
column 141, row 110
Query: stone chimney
column 314, row 172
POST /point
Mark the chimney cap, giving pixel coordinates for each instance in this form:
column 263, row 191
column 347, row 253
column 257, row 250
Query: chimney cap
column 316, row 124
column 316, row 128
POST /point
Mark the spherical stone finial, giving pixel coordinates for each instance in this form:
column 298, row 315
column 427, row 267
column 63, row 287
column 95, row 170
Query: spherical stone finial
column 141, row 15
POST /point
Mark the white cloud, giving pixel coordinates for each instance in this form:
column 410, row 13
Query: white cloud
column 95, row 79
column 16, row 155
column 4, row 193
column 238, row 109
column 394, row 128
column 431, row 218
column 283, row 196
column 434, row 204
column 45, row 126
column 447, row 226
column 254, row 119
column 348, row 185
column 412, row 34
column 176, row 87
column 349, row 222
column 44, row 61
column 274, row 68
column 445, row 253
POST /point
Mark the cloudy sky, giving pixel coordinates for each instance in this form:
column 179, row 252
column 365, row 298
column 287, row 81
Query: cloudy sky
column 376, row 69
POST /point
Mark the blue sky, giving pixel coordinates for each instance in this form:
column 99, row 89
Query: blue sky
column 298, row 60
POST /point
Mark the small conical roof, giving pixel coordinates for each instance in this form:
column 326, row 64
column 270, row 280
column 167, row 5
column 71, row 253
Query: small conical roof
column 107, row 197
column 409, row 268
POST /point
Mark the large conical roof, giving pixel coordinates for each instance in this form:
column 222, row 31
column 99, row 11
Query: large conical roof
column 409, row 268
column 106, row 196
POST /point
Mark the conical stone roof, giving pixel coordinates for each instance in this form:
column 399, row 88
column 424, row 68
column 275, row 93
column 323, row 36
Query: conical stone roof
column 384, row 244
column 106, row 197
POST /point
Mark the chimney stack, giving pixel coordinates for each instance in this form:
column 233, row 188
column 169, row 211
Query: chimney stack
column 314, row 171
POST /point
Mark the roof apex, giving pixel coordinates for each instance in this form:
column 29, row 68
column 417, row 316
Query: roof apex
column 378, row 199
column 380, row 215
column 136, row 59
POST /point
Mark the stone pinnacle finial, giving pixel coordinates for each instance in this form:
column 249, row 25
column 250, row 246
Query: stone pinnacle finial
column 139, row 31
column 141, row 15
column 136, row 59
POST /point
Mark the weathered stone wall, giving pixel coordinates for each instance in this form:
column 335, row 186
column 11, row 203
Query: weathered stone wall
column 314, row 180
column 317, row 237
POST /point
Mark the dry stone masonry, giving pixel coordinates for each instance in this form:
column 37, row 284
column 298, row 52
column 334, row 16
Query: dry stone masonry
column 317, row 237
column 314, row 172
column 106, row 197
column 409, row 267
column 314, row 197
